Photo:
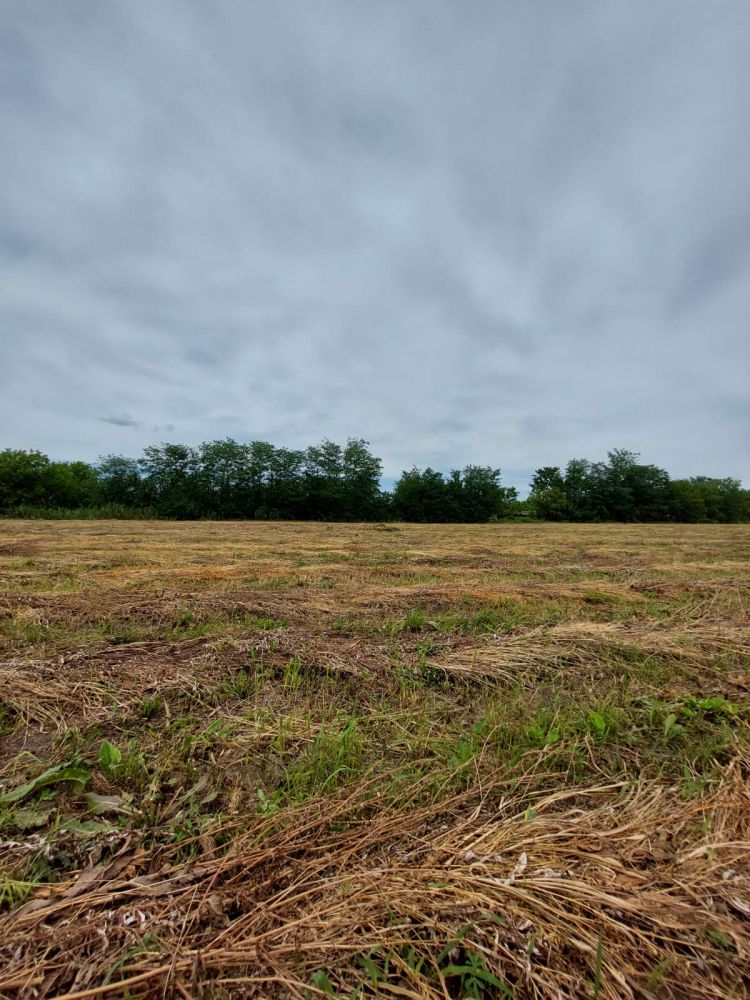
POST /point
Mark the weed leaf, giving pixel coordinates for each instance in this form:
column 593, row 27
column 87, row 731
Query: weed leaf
column 59, row 774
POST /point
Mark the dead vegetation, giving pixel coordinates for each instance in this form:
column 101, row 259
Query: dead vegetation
column 303, row 760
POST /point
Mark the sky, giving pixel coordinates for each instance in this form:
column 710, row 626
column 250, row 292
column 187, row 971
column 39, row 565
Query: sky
column 487, row 232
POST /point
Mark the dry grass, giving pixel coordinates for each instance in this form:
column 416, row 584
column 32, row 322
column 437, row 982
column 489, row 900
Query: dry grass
column 425, row 761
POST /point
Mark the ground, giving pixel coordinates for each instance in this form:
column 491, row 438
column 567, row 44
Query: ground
column 300, row 760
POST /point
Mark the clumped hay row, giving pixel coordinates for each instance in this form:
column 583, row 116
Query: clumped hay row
column 698, row 643
column 88, row 687
column 618, row 889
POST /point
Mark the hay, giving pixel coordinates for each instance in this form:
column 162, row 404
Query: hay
column 623, row 873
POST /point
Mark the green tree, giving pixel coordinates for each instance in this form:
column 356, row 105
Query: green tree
column 547, row 496
column 171, row 481
column 454, row 496
column 73, row 484
column 119, row 481
column 261, row 458
column 361, row 472
column 578, row 491
column 482, row 494
column 285, row 489
column 226, row 487
column 324, row 471
column 420, row 496
column 26, row 478
column 704, row 499
column 649, row 491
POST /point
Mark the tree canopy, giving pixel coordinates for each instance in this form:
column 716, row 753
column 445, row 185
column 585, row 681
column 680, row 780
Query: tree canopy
column 333, row 482
column 623, row 489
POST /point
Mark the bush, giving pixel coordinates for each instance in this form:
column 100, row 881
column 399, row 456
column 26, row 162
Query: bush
column 107, row 512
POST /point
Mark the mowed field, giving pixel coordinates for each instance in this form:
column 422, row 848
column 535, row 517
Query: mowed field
column 304, row 760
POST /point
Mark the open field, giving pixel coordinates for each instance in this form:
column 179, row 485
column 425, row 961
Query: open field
column 301, row 760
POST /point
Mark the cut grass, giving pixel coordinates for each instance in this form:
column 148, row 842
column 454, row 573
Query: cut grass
column 463, row 761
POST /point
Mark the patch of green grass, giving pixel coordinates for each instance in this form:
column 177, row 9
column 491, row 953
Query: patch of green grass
column 14, row 892
column 124, row 638
column 427, row 672
column 597, row 597
column 413, row 621
column 239, row 685
column 26, row 630
column 413, row 579
column 189, row 624
column 293, row 673
column 125, row 767
column 262, row 624
column 336, row 754
column 482, row 619
column 150, row 706
column 274, row 583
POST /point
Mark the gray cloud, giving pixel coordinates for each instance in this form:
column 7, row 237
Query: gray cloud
column 124, row 421
column 502, row 233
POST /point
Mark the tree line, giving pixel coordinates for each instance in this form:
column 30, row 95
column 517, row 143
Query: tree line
column 232, row 480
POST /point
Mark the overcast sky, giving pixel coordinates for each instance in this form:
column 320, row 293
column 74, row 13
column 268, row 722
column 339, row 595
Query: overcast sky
column 507, row 233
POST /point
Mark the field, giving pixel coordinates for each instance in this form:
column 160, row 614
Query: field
column 304, row 760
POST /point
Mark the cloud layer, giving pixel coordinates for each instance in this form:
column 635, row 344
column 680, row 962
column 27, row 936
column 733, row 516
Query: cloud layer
column 492, row 232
